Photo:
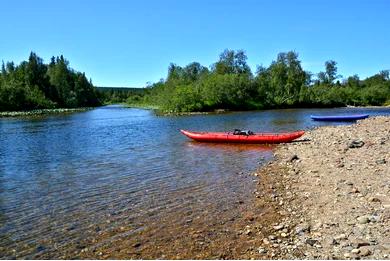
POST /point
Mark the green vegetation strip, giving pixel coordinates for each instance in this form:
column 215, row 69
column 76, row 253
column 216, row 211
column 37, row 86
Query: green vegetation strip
column 41, row 112
column 227, row 84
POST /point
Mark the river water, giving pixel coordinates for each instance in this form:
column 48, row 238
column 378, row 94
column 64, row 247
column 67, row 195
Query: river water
column 89, row 179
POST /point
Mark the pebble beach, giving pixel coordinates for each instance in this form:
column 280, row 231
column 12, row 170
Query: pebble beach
column 330, row 193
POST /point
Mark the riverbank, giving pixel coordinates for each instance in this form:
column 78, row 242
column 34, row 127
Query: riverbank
column 331, row 194
column 42, row 112
column 159, row 112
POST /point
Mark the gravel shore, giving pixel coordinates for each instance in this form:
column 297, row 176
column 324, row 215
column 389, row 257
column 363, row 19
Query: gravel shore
column 42, row 112
column 331, row 194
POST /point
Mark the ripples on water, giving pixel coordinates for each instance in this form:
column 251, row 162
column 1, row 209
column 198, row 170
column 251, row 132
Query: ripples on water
column 66, row 179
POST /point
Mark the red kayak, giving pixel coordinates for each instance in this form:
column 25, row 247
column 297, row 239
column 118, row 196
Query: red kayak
column 243, row 138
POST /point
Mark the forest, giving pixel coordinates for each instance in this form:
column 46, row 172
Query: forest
column 230, row 84
column 112, row 95
column 35, row 85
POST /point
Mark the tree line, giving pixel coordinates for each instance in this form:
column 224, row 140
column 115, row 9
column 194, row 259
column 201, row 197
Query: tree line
column 230, row 84
column 112, row 95
column 35, row 85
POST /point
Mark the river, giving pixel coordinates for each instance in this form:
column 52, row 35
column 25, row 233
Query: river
column 79, row 182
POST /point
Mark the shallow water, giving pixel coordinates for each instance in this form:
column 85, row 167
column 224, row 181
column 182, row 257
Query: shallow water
column 114, row 172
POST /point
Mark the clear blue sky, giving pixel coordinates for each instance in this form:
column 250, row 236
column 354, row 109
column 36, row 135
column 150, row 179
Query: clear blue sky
column 130, row 42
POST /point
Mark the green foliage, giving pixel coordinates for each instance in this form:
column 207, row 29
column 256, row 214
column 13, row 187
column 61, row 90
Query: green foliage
column 111, row 95
column 230, row 85
column 280, row 84
column 35, row 85
column 330, row 74
column 232, row 62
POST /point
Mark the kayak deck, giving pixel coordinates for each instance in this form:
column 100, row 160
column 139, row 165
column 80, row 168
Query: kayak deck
column 253, row 138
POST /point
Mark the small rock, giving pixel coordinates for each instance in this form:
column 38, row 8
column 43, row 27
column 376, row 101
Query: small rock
column 356, row 144
column 40, row 248
column 374, row 218
column 374, row 199
column 347, row 255
column 340, row 165
column 311, row 241
column 293, row 157
column 355, row 190
column 261, row 250
column 271, row 237
column 341, row 236
column 279, row 227
column 265, row 241
column 355, row 251
column 365, row 252
column 304, row 227
column 380, row 161
column 317, row 234
column 363, row 220
column 357, row 243
column 283, row 234
column 316, row 226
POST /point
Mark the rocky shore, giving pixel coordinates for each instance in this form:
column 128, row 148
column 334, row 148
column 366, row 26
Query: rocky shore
column 42, row 112
column 330, row 194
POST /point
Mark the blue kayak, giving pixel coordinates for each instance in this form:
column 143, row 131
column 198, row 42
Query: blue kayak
column 339, row 117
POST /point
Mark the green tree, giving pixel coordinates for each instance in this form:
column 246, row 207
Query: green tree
column 232, row 62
